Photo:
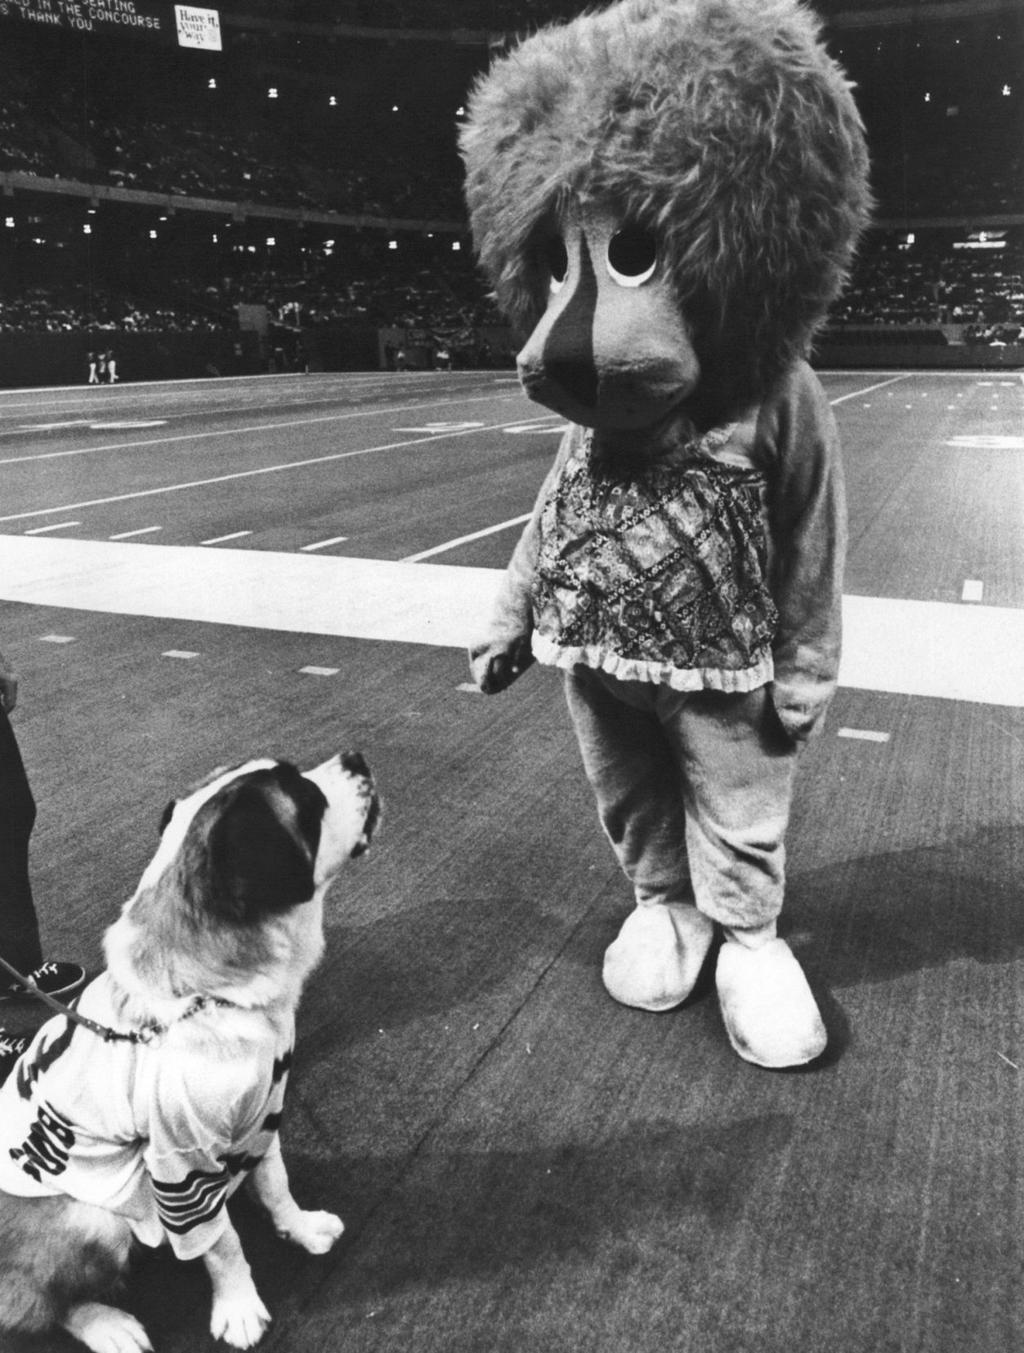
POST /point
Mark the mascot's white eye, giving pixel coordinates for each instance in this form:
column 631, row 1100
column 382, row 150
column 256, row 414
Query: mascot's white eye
column 556, row 258
column 632, row 256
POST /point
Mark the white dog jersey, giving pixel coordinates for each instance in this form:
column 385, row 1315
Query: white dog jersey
column 161, row 1132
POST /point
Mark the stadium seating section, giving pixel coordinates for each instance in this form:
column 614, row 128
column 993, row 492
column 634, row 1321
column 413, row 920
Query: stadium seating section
column 142, row 183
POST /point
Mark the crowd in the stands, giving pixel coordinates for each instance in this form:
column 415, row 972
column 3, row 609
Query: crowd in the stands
column 221, row 137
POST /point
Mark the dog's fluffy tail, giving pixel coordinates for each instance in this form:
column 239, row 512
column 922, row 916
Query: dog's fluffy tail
column 55, row 1253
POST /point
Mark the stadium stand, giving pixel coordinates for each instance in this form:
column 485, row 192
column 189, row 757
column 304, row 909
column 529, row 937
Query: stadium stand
column 310, row 168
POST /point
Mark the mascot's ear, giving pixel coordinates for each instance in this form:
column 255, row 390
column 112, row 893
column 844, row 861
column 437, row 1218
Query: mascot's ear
column 250, row 865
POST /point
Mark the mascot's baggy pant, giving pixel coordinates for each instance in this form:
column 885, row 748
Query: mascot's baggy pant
column 693, row 791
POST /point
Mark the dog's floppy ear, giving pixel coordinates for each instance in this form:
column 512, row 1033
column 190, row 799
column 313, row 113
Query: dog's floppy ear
column 251, row 865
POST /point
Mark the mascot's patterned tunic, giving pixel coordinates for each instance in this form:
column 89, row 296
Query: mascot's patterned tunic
column 658, row 578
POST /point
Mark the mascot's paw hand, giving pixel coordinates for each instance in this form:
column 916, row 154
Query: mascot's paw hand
column 315, row 1232
column 239, row 1318
column 496, row 666
column 658, row 955
column 769, row 1011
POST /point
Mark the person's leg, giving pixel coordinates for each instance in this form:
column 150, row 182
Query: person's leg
column 657, row 956
column 738, row 766
column 19, row 929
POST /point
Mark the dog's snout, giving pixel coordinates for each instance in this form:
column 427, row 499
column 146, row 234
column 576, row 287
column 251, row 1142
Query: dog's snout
column 354, row 763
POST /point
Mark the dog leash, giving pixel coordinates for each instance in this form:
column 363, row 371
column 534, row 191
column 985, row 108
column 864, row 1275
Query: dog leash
column 145, row 1034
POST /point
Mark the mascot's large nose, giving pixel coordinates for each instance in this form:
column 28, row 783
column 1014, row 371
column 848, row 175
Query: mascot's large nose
column 568, row 351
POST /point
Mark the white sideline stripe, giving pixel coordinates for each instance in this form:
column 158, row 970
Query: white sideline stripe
column 930, row 648
column 923, row 648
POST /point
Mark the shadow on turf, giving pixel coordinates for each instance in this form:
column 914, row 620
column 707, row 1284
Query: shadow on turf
column 882, row 916
column 641, row 1202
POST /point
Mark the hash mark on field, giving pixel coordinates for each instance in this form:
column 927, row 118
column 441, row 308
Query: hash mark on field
column 863, row 735
column 219, row 540
column 320, row 671
column 178, row 653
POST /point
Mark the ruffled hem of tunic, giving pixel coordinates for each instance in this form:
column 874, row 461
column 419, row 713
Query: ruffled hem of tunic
column 553, row 654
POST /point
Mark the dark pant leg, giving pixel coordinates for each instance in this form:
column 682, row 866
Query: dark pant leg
column 19, row 930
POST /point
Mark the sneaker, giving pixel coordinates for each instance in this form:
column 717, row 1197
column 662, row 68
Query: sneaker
column 11, row 1048
column 59, row 980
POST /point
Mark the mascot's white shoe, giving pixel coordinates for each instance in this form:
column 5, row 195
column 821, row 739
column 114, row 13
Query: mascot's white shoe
column 770, row 1015
column 658, row 955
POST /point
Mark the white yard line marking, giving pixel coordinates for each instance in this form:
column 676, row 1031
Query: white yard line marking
column 242, row 474
column 943, row 650
column 323, row 544
column 880, row 385
column 863, row 735
column 464, row 540
column 56, row 526
column 388, row 411
column 973, row 590
column 129, row 535
column 219, row 540
column 56, row 638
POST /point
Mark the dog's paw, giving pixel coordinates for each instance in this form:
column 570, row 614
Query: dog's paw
column 314, row 1231
column 240, row 1319
column 105, row 1329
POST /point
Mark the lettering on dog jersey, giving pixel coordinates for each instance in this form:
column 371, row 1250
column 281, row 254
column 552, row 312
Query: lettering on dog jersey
column 43, row 1057
column 47, row 1146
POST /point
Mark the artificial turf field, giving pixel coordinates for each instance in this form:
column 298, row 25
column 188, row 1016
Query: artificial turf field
column 194, row 573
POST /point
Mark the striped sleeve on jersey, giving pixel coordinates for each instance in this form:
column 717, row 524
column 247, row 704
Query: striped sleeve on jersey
column 191, row 1201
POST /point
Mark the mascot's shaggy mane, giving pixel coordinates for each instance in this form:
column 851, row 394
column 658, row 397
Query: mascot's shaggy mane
column 724, row 128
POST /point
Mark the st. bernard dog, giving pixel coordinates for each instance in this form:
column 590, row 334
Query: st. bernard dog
column 140, row 1125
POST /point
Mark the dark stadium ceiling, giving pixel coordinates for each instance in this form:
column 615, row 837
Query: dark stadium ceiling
column 512, row 15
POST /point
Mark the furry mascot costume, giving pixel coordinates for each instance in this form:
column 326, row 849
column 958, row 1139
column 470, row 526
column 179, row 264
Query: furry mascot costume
column 668, row 194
